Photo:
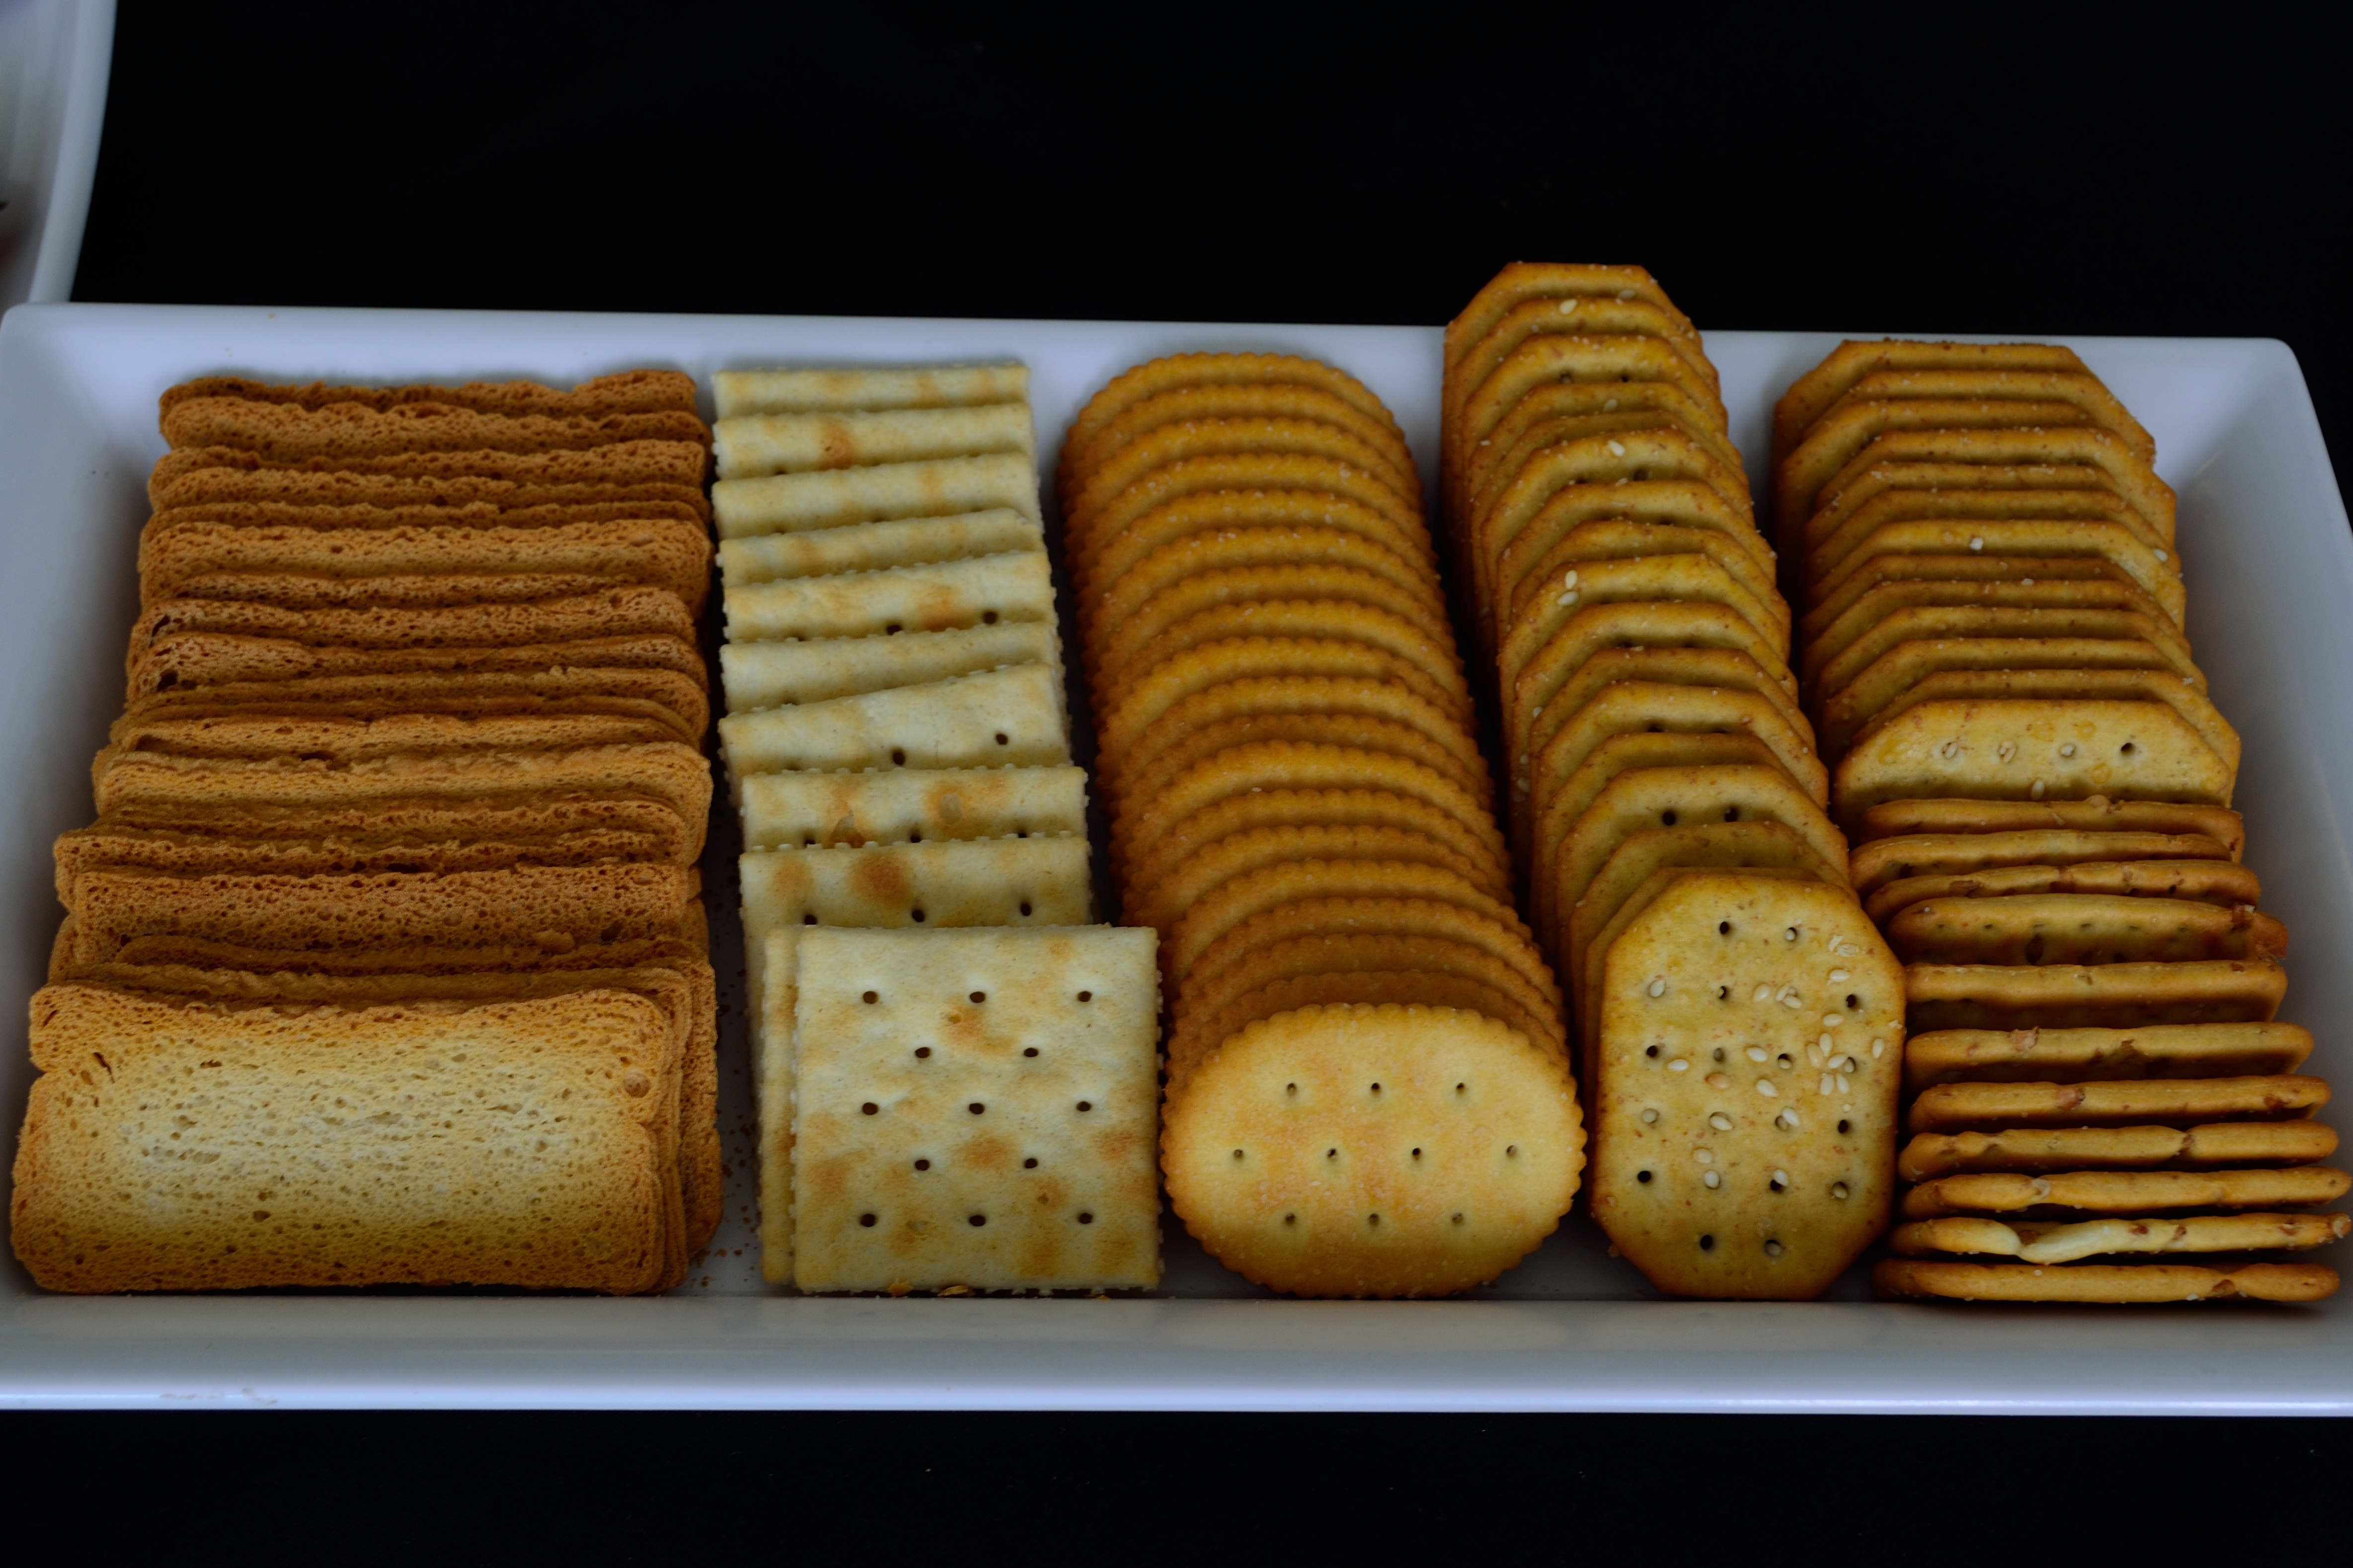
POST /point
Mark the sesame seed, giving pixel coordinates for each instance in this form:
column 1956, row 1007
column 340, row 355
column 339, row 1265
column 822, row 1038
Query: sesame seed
column 2006, row 751
column 1846, row 1085
column 1610, row 406
column 1658, row 987
column 1679, row 1066
column 1824, row 1043
column 1649, row 1118
column 1569, row 581
column 1786, row 1122
column 2026, row 582
column 1830, row 1084
column 1977, row 543
column 1837, row 1191
column 2160, row 554
column 2068, row 749
column 2034, row 791
column 1755, row 1053
column 1565, row 599
column 1950, row 750
column 1718, row 1081
column 1764, row 994
column 1765, row 1086
column 1831, row 1021
column 1878, row 1048
column 1704, row 1157
column 1780, row 1178
column 1772, row 1249
column 1713, row 1180
column 1617, row 450
column 1791, row 934
column 1838, row 977
column 1569, row 307
column 1720, row 1122
column 1848, row 949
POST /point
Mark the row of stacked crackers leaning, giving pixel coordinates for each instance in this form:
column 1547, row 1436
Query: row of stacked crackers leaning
column 383, row 960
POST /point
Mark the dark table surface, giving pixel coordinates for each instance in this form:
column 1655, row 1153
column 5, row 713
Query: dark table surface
column 1991, row 172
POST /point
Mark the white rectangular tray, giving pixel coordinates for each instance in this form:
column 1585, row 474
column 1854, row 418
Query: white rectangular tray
column 2269, row 562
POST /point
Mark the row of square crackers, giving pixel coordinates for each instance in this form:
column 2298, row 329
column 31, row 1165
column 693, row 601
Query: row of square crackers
column 958, row 1073
column 1741, row 1022
column 410, row 762
column 1368, row 1091
column 2039, row 787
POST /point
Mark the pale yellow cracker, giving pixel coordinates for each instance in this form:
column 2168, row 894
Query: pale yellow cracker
column 977, row 1109
column 1001, row 718
column 2080, row 1056
column 2028, row 750
column 756, row 674
column 1456, row 1168
column 1631, row 707
column 773, row 1002
column 1716, row 1173
column 794, row 503
column 872, row 546
column 2094, row 996
column 947, row 596
column 912, row 805
column 741, row 392
column 754, row 446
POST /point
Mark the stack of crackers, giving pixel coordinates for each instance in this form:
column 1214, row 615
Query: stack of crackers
column 941, row 1108
column 2039, row 791
column 1368, row 1091
column 1740, row 1020
column 383, row 960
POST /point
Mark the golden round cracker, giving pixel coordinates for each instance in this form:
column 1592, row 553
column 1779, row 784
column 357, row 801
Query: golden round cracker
column 1900, row 1279
column 1143, row 823
column 1174, row 372
column 1152, row 883
column 1615, row 539
column 1546, row 405
column 1396, row 987
column 1191, row 747
column 1462, row 1167
column 1242, row 473
column 1880, row 859
column 1651, row 579
column 2124, row 1191
column 1210, row 1009
column 2093, row 996
column 1397, row 852
column 1115, row 598
column 1185, row 731
column 1124, row 629
column 1243, row 658
column 1504, row 940
column 2215, row 883
column 1197, row 439
column 1231, row 400
column 1223, row 907
column 1435, row 672
column 1209, row 511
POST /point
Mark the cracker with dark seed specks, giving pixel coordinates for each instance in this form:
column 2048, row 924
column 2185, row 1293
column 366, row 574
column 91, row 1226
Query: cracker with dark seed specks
column 1934, row 1155
column 2083, row 1055
column 1896, row 1278
column 2124, row 1191
column 2133, row 1102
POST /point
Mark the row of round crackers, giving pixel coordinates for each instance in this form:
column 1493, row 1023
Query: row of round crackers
column 1992, row 647
column 1740, row 1018
column 1368, row 1089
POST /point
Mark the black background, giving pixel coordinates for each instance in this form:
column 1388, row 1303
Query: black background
column 2003, row 170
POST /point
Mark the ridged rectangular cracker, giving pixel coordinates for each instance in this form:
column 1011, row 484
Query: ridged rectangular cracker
column 801, row 810
column 740, row 392
column 869, row 546
column 752, row 445
column 791, row 504
column 945, row 596
column 776, row 674
column 976, row 1108
column 2077, row 1056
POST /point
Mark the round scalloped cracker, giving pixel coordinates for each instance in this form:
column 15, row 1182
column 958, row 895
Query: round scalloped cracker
column 1255, row 885
column 1833, row 441
column 1620, row 754
column 1153, row 884
column 1492, row 470
column 1887, row 683
column 1198, row 579
column 1324, row 913
column 1750, row 1035
column 2022, row 749
column 2111, row 684
column 1888, row 570
column 2079, row 928
column 1580, row 319
column 2004, row 450
column 1668, row 797
column 2133, row 1102
column 1140, row 705
column 1814, row 393
column 2124, row 1191
column 1230, row 400
column 2215, row 881
column 2097, row 815
column 1143, row 823
column 1910, row 612
column 1894, row 856
column 1923, row 482
column 1435, row 674
column 1547, row 404
column 1206, row 873
column 1197, row 439
column 1459, row 1168
column 1151, row 771
column 1202, row 723
column 1241, row 472
column 2044, row 384
column 1210, row 512
column 1539, row 713
column 1521, row 282
column 2014, row 522
column 1174, row 372
column 1603, row 460
column 1649, row 580
column 1724, row 846
column 1614, row 538
column 1902, row 1279
column 1211, row 1011
column 2035, row 1151
column 2093, row 996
